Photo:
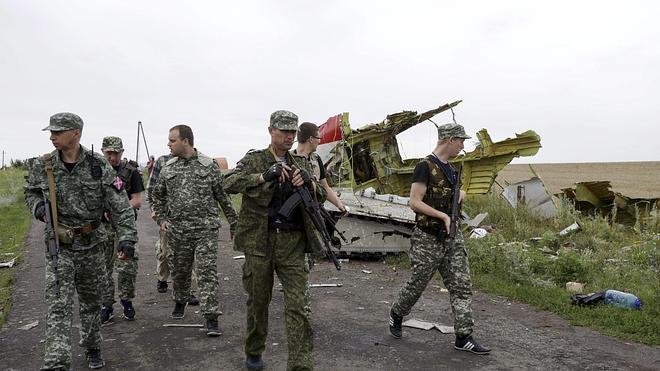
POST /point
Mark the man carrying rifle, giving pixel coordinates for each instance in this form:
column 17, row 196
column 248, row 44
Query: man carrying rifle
column 77, row 186
column 437, row 243
column 273, row 243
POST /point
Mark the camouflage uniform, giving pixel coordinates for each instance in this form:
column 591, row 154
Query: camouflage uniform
column 126, row 269
column 186, row 196
column 273, row 250
column 83, row 194
column 430, row 251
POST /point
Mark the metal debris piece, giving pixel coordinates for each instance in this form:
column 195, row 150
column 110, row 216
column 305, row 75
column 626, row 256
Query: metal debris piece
column 182, row 325
column 8, row 264
column 29, row 326
column 533, row 194
column 478, row 233
column 571, row 228
column 575, row 287
column 326, row 285
column 476, row 221
column 239, row 257
column 424, row 325
column 366, row 271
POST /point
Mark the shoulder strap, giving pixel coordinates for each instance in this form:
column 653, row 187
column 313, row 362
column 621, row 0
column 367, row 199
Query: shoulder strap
column 48, row 161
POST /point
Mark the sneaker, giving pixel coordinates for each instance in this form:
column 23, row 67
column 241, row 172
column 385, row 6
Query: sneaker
column 212, row 328
column 254, row 363
column 106, row 314
column 193, row 300
column 468, row 344
column 129, row 311
column 178, row 312
column 161, row 286
column 395, row 325
column 94, row 359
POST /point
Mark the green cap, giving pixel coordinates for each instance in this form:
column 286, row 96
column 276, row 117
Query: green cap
column 284, row 120
column 112, row 144
column 64, row 121
column 452, row 130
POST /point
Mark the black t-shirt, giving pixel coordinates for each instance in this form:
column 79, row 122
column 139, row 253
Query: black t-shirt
column 421, row 174
column 137, row 185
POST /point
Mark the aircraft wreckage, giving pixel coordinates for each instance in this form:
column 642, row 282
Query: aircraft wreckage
column 366, row 169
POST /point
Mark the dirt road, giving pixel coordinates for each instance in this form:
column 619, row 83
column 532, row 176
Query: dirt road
column 350, row 324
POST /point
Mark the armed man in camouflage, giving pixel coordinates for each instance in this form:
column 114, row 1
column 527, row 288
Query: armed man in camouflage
column 163, row 251
column 83, row 187
column 431, row 250
column 128, row 177
column 272, row 243
column 185, row 205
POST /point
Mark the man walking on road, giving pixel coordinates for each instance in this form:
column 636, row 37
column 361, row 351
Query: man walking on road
column 163, row 252
column 430, row 248
column 185, row 204
column 129, row 179
column 273, row 243
column 78, row 185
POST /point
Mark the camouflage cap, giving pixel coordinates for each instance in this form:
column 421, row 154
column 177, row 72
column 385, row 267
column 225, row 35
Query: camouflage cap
column 64, row 121
column 284, row 120
column 452, row 130
column 112, row 144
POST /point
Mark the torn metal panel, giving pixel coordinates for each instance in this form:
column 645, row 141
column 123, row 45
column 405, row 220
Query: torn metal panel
column 597, row 198
column 533, row 194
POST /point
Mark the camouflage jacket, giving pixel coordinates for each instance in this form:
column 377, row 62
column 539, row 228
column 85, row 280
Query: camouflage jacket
column 252, row 228
column 187, row 195
column 82, row 196
column 155, row 173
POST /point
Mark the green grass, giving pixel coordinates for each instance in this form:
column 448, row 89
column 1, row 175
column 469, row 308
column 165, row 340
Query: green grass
column 14, row 222
column 509, row 262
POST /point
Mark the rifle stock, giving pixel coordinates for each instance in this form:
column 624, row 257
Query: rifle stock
column 456, row 197
column 53, row 245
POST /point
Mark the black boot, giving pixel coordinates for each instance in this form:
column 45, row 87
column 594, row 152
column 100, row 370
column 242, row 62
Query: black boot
column 106, row 314
column 212, row 328
column 129, row 311
column 395, row 324
column 94, row 359
column 161, row 286
column 254, row 363
column 178, row 312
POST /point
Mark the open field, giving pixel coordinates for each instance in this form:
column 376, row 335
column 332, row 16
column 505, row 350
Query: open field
column 632, row 179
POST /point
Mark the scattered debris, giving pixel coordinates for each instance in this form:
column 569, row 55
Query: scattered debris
column 239, row 257
column 424, row 325
column 571, row 228
column 478, row 233
column 365, row 271
column 29, row 326
column 575, row 287
column 325, row 285
column 533, row 194
column 8, row 264
column 476, row 221
column 183, row 325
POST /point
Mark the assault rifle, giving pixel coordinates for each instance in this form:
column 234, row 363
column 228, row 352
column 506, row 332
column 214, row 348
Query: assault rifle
column 455, row 198
column 53, row 245
column 315, row 212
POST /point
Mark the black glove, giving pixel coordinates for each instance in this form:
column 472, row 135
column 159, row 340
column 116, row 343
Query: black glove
column 273, row 172
column 40, row 211
column 127, row 247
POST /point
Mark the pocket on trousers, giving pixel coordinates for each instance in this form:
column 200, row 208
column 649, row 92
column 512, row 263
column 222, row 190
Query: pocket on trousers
column 247, row 277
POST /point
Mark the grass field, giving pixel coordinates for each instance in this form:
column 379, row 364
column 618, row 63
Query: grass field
column 632, row 179
column 13, row 228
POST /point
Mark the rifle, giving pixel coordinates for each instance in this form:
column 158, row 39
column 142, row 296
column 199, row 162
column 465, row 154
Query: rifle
column 455, row 198
column 313, row 209
column 53, row 245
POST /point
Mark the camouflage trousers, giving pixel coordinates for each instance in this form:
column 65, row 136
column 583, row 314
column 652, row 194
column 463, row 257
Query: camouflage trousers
column 428, row 255
column 286, row 258
column 126, row 271
column 163, row 258
column 186, row 251
column 78, row 271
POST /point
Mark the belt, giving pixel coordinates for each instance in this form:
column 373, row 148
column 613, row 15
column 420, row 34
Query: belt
column 435, row 231
column 83, row 229
column 284, row 227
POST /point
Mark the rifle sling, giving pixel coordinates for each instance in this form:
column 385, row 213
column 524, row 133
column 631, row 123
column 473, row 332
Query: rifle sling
column 48, row 160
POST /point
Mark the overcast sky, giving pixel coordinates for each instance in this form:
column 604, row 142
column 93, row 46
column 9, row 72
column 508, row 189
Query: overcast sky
column 585, row 75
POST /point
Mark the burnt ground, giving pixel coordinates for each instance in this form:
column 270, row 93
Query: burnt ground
column 350, row 325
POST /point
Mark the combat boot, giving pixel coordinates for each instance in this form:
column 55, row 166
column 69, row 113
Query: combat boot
column 106, row 314
column 395, row 324
column 254, row 363
column 193, row 300
column 212, row 328
column 161, row 286
column 129, row 311
column 94, row 359
column 179, row 309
